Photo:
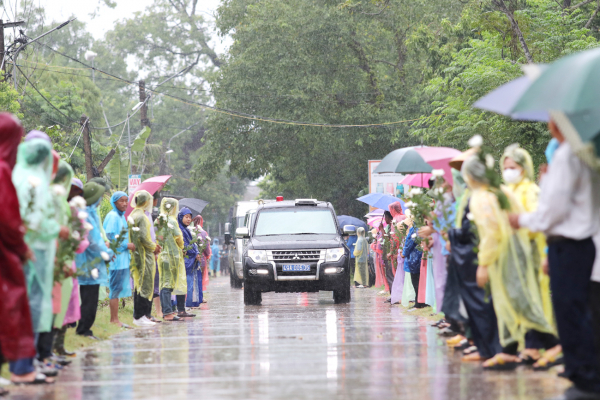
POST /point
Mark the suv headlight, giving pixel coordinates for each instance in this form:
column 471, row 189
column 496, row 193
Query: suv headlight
column 258, row 256
column 333, row 255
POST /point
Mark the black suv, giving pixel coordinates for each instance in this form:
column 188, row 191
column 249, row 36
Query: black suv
column 295, row 246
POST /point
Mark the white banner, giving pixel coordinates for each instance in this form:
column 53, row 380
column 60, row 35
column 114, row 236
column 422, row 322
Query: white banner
column 133, row 183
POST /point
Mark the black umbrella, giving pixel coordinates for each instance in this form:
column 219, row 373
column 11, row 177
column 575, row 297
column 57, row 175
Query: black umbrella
column 196, row 205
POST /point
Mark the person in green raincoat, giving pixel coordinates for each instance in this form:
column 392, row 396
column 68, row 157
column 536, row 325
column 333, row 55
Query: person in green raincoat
column 143, row 266
column 361, row 254
column 171, row 265
column 31, row 177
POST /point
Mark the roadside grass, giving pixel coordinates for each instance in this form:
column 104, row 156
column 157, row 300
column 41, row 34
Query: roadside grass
column 102, row 328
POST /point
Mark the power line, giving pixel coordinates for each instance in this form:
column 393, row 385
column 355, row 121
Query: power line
column 239, row 114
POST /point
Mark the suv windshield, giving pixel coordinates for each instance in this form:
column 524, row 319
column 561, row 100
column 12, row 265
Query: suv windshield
column 295, row 222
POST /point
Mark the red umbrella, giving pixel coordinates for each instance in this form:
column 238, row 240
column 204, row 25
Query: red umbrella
column 151, row 185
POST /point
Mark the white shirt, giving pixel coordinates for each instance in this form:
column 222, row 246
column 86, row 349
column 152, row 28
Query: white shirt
column 569, row 202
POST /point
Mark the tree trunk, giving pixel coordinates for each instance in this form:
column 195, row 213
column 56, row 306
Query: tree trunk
column 515, row 27
column 87, row 146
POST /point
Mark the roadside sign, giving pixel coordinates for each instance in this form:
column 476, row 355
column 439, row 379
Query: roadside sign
column 134, row 182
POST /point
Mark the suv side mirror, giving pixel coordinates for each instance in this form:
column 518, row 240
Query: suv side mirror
column 242, row 233
column 349, row 230
column 228, row 238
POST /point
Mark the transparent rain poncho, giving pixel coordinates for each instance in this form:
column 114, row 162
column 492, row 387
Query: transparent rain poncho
column 526, row 192
column 361, row 254
column 171, row 264
column 31, row 178
column 507, row 255
column 143, row 267
column 60, row 189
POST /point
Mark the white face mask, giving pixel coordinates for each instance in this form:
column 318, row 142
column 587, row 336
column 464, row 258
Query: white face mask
column 511, row 175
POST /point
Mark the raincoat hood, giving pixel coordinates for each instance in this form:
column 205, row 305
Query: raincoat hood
column 37, row 135
column 169, row 207
column 142, row 200
column 64, row 175
column 395, row 210
column 114, row 198
column 77, row 182
column 12, row 133
column 186, row 233
column 521, row 157
column 216, row 242
column 473, row 172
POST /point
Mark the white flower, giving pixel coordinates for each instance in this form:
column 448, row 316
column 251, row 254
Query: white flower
column 75, row 235
column 82, row 215
column 135, row 229
column 414, row 235
column 438, row 173
column 116, row 236
column 77, row 202
column 95, row 273
column 416, row 191
column 170, row 226
column 87, row 226
column 58, row 190
column 476, row 141
column 208, row 238
column 409, row 204
column 489, row 161
column 470, row 216
column 104, row 256
column 408, row 213
column 130, row 221
column 440, row 190
column 167, row 206
column 34, row 181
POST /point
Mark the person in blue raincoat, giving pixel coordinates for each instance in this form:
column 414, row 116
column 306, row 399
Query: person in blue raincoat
column 412, row 261
column 91, row 264
column 215, row 261
column 115, row 227
column 192, row 259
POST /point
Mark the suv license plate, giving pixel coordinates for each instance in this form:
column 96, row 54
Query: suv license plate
column 295, row 267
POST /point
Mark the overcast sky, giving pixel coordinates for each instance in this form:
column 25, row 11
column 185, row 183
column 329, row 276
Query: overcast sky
column 60, row 10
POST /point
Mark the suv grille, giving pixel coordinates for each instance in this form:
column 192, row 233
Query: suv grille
column 296, row 255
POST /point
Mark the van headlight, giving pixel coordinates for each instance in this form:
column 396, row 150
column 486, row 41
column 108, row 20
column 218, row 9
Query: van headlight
column 333, row 255
column 258, row 256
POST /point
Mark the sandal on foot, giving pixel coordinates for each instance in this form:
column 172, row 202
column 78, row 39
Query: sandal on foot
column 174, row 319
column 545, row 363
column 470, row 350
column 498, row 364
column 473, row 357
column 185, row 315
column 38, row 380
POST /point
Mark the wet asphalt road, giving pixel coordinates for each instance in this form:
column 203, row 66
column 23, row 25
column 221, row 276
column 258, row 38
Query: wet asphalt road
column 293, row 346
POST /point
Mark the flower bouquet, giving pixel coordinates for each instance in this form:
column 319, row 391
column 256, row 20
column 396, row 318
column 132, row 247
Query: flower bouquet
column 78, row 229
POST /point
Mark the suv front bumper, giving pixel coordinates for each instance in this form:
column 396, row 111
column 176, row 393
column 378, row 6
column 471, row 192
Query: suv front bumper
column 297, row 283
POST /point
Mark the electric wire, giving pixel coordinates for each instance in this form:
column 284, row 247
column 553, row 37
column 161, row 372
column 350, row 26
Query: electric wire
column 239, row 114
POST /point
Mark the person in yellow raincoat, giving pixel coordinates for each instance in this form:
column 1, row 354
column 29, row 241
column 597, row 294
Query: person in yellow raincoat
column 143, row 266
column 171, row 265
column 518, row 174
column 361, row 254
column 505, row 263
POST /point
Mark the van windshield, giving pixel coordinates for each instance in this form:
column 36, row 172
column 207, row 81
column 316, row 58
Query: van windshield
column 295, row 222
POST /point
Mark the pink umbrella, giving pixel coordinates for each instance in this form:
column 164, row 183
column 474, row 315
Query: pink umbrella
column 419, row 180
column 376, row 221
column 438, row 158
column 151, row 185
column 375, row 213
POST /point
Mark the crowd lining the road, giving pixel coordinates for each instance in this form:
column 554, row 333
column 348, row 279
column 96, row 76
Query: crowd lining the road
column 58, row 257
column 511, row 265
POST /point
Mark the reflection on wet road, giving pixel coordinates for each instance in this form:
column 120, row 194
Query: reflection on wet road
column 293, row 346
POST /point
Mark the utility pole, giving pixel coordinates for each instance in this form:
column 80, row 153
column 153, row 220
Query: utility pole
column 144, row 110
column 87, row 146
column 2, row 54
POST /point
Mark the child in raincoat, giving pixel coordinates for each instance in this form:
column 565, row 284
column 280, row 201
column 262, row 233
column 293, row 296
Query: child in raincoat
column 143, row 265
column 91, row 264
column 215, row 261
column 171, row 266
column 361, row 254
column 115, row 227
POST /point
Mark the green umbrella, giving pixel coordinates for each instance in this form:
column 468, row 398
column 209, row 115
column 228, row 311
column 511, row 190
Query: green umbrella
column 403, row 161
column 570, row 84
